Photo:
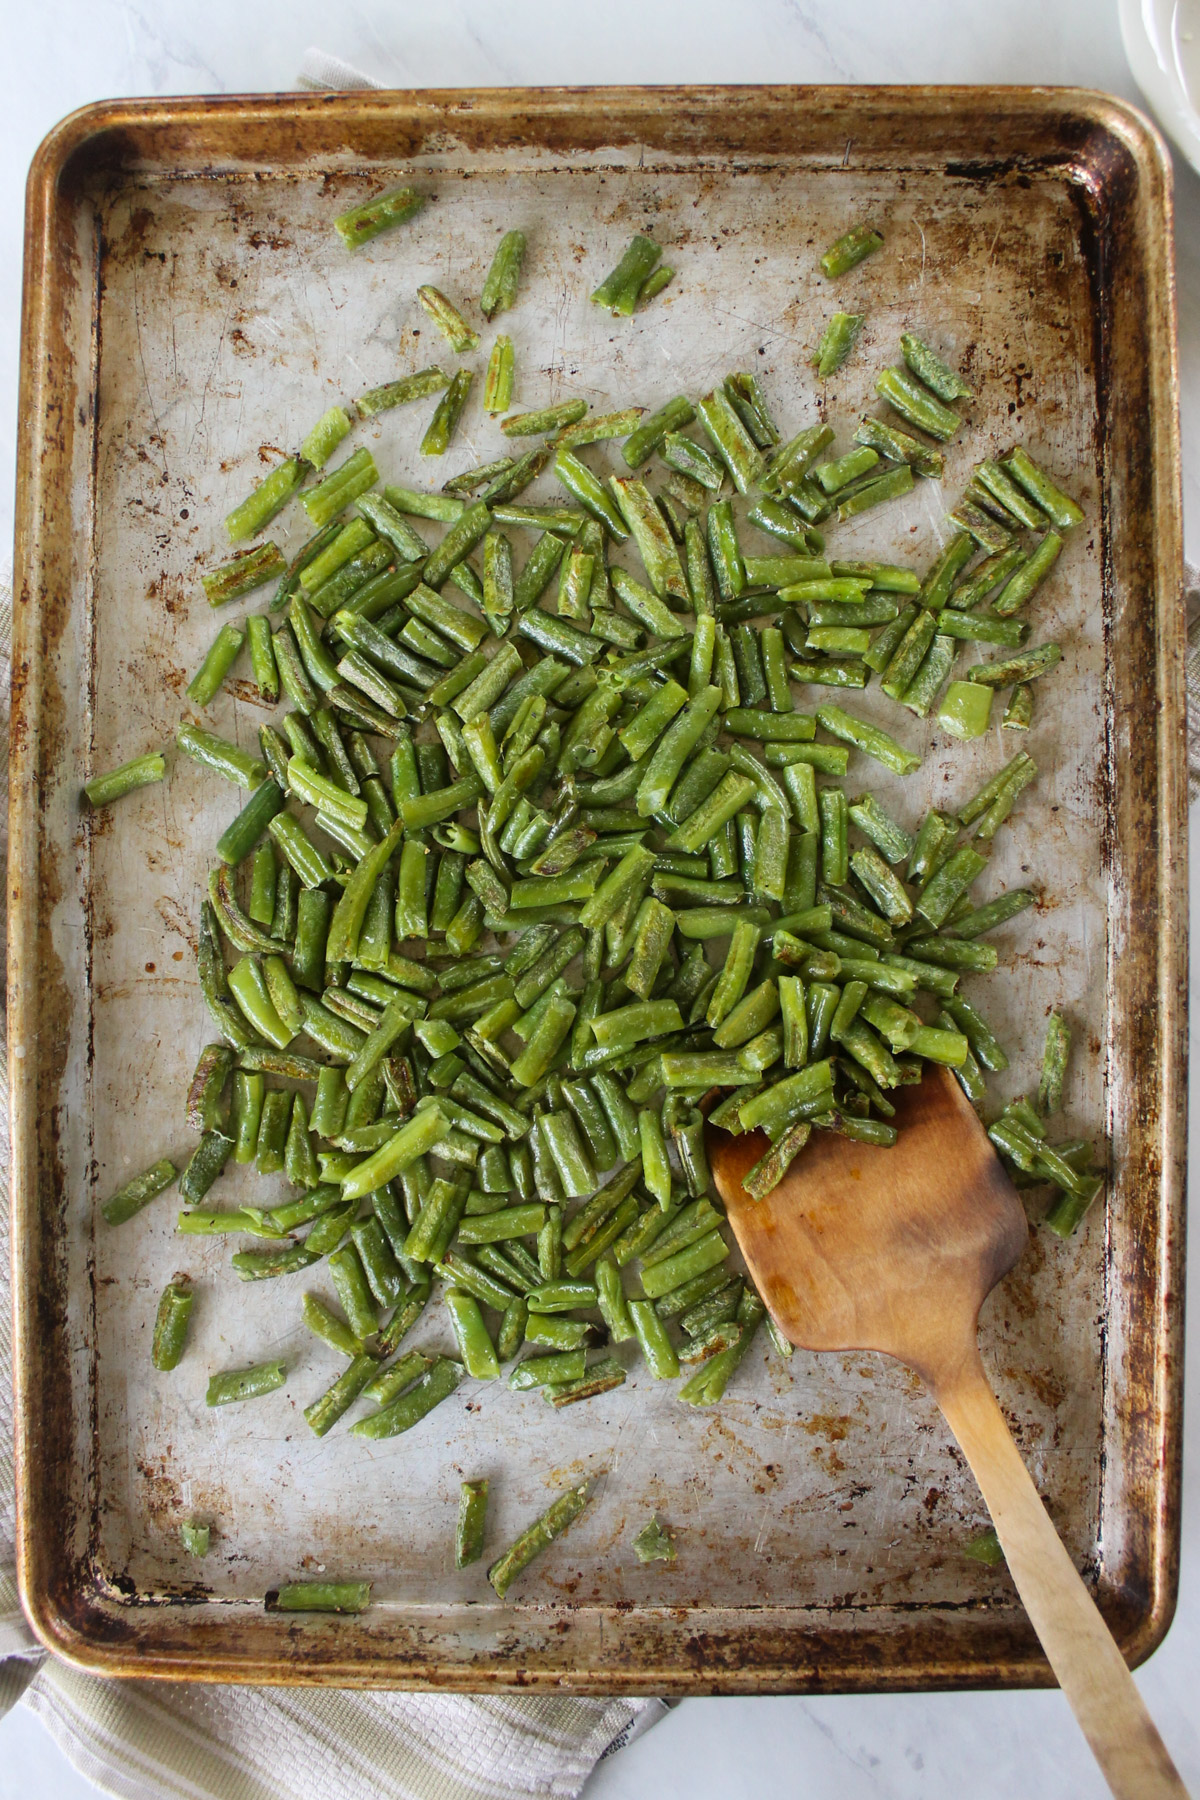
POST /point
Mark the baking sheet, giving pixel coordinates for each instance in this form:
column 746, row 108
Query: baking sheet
column 826, row 1491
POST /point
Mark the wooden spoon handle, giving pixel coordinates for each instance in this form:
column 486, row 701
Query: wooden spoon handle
column 1081, row 1650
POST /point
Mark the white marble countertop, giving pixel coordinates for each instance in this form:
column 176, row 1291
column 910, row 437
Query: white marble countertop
column 61, row 54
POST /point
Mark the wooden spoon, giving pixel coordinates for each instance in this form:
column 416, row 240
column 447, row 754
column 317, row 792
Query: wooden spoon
column 861, row 1248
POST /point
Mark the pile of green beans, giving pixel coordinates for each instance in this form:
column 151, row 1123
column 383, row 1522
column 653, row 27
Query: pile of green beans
column 541, row 860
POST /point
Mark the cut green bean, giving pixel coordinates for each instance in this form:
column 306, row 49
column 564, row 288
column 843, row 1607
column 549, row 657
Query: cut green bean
column 171, row 1325
column 850, row 249
column 140, row 771
column 837, row 341
column 245, row 1384
column 620, row 290
column 446, row 415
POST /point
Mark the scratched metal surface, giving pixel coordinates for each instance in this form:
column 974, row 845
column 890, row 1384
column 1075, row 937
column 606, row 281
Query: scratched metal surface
column 229, row 317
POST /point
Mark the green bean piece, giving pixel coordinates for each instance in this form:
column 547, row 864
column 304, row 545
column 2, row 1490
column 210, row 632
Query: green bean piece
column 499, row 294
column 889, row 486
column 415, row 1138
column 267, row 499
column 214, row 753
column 601, row 1378
column 832, row 671
column 245, row 1384
column 499, row 379
column 322, row 1596
column 835, row 854
column 656, row 1168
column 586, row 488
column 353, row 1290
column 884, row 889
column 471, row 1334
column 323, row 1414
column 838, row 474
column 171, row 1324
column 779, row 694
column 497, row 1227
column 619, row 291
column 206, row 1163
column 728, row 798
column 384, row 1275
column 195, row 1538
column 1006, row 495
column 653, row 1543
column 686, row 1227
column 399, row 393
column 973, row 1027
column 1026, row 579
column 653, row 1341
column 538, row 1537
column 898, row 447
column 401, row 1414
column 867, row 738
column 916, row 405
column 929, row 679
column 248, row 570
column 682, row 1265
column 560, row 1137
column 929, row 368
column 207, row 1090
column 511, row 1335
column 837, row 341
column 472, row 1495
column 891, row 840
column 1061, row 510
column 750, row 1016
column 1054, row 1065
column 247, row 984
column 446, row 415
column 654, row 284
column 614, row 1307
column 449, row 321
column 1068, row 1210
column 342, row 485
column 988, row 533
column 745, row 395
column 575, row 585
column 547, row 419
column 223, row 653
column 689, row 458
column 473, row 479
column 391, row 1382
column 140, row 771
column 362, row 223
column 654, row 543
column 850, row 249
column 324, row 1323
column 730, row 439
column 584, row 1103
column 965, row 711
column 262, row 657
column 991, row 791
column 345, row 543
column 551, row 1370
column 292, row 676
column 249, row 1090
